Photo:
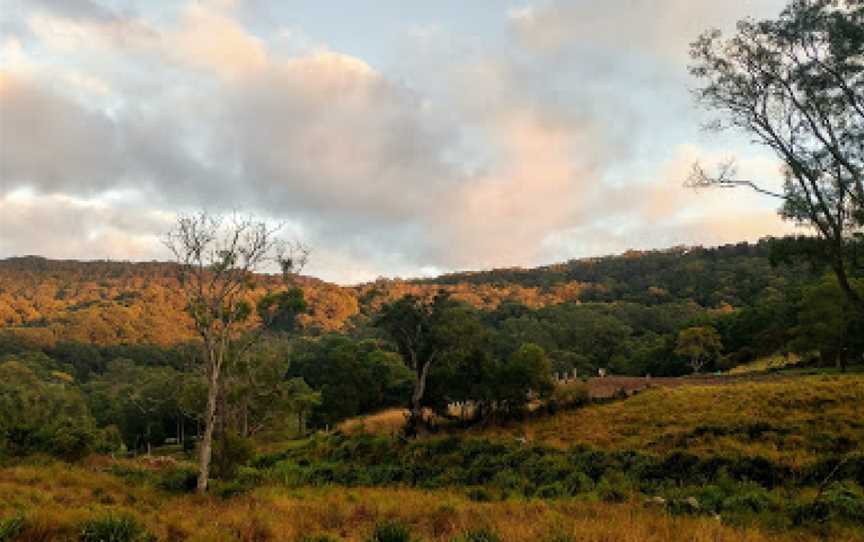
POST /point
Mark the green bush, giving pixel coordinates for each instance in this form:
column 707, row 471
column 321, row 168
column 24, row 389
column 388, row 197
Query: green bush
column 478, row 535
column 180, row 480
column 10, row 528
column 480, row 494
column 111, row 528
column 391, row 531
column 840, row 501
column 230, row 452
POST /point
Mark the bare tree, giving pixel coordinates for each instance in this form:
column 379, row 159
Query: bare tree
column 217, row 261
column 796, row 85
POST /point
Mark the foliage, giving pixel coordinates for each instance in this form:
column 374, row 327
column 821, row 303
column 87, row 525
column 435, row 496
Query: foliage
column 111, row 528
column 230, row 452
column 10, row 528
column 391, row 531
column 699, row 344
column 795, row 84
column 42, row 411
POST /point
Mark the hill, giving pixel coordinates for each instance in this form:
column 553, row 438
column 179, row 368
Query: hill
column 103, row 302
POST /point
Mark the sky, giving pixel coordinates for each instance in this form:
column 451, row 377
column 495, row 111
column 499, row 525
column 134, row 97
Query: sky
column 394, row 138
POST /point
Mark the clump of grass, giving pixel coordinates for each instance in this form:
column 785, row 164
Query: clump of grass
column 114, row 528
column 10, row 528
column 478, row 535
column 391, row 531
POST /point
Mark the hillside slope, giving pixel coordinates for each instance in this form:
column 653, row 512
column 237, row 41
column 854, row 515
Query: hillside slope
column 103, row 302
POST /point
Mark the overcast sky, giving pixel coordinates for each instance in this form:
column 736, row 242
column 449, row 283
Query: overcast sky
column 396, row 138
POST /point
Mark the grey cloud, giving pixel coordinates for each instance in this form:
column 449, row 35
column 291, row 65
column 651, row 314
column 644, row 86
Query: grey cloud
column 484, row 158
column 638, row 27
column 79, row 10
column 52, row 143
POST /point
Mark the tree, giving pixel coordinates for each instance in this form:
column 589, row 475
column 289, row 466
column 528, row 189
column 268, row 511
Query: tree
column 698, row 344
column 796, row 84
column 302, row 399
column 425, row 333
column 217, row 261
column 821, row 327
column 526, row 372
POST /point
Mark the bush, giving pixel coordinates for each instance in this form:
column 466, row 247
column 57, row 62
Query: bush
column 316, row 538
column 11, row 528
column 111, row 528
column 230, row 452
column 182, row 480
column 392, row 531
column 840, row 501
column 568, row 397
column 479, row 494
column 478, row 535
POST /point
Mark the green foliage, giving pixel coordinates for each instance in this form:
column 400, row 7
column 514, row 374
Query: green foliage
column 391, row 531
column 42, row 411
column 179, row 480
column 699, row 344
column 230, row 452
column 10, row 528
column 478, row 535
column 352, row 377
column 840, row 501
column 113, row 528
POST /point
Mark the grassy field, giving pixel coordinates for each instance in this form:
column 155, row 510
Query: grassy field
column 57, row 499
column 793, row 421
column 752, row 453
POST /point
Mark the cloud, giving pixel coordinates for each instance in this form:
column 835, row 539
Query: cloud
column 466, row 155
column 51, row 142
column 65, row 227
column 214, row 41
column 658, row 28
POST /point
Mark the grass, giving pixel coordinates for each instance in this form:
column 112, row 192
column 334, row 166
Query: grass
column 616, row 456
column 791, row 421
column 767, row 363
column 57, row 499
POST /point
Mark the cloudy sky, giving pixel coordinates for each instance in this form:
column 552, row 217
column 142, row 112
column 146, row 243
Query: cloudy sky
column 395, row 138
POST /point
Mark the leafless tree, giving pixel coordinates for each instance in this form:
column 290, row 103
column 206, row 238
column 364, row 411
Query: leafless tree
column 217, row 261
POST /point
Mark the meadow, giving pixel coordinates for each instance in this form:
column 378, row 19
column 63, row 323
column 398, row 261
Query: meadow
column 774, row 460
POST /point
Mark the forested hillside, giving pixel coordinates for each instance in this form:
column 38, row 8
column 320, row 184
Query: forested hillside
column 126, row 303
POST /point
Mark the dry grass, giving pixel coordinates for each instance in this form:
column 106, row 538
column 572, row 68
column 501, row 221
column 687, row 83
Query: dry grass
column 797, row 419
column 56, row 498
column 387, row 422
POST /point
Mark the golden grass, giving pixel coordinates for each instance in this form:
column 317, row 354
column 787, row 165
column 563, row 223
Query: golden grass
column 762, row 364
column 386, row 422
column 56, row 498
column 803, row 416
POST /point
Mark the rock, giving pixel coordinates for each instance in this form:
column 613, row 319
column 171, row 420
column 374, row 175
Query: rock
column 693, row 503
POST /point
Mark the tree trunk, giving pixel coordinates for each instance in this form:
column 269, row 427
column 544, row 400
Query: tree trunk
column 209, row 426
column 415, row 420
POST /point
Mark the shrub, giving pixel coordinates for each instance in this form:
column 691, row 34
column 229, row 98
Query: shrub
column 392, row 531
column 182, row 480
column 230, row 452
column 229, row 488
column 111, row 528
column 10, row 528
column 568, row 397
column 840, row 501
column 316, row 538
column 478, row 535
column 479, row 494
